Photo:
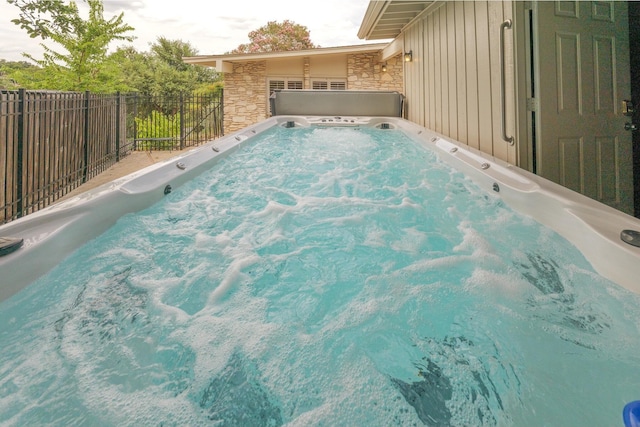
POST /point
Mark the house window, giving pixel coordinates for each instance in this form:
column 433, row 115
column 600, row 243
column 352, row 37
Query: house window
column 319, row 85
column 282, row 83
column 327, row 84
column 275, row 84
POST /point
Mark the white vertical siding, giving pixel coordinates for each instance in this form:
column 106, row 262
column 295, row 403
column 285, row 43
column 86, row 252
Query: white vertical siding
column 453, row 84
column 414, row 71
column 462, row 96
column 471, row 76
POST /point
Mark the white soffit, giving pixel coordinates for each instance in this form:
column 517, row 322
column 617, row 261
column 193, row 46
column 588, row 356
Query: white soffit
column 386, row 19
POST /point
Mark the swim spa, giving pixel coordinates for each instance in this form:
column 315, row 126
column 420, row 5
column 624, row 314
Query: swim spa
column 321, row 271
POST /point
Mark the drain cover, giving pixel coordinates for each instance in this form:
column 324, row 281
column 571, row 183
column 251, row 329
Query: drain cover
column 9, row 245
column 631, row 237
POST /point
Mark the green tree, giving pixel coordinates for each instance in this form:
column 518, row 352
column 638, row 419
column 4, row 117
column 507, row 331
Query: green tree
column 171, row 52
column 12, row 72
column 134, row 69
column 162, row 71
column 277, row 37
column 43, row 18
column 83, row 63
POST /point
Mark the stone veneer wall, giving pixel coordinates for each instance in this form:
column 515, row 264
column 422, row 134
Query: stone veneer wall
column 364, row 71
column 245, row 100
column 245, row 91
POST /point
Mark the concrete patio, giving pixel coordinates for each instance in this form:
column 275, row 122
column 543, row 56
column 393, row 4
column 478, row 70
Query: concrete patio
column 135, row 161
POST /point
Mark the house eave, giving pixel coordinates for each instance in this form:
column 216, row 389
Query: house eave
column 374, row 12
column 222, row 62
column 388, row 19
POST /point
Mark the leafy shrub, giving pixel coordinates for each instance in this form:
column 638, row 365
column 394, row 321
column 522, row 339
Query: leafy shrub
column 158, row 131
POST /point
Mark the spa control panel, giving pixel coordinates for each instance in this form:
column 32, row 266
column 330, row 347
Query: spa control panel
column 338, row 120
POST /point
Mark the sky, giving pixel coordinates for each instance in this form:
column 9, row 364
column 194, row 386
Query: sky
column 211, row 27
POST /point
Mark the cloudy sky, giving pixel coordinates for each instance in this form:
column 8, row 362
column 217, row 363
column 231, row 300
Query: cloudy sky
column 212, row 27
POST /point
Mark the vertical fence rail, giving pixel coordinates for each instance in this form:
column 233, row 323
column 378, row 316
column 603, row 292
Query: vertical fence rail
column 52, row 142
column 118, row 117
column 19, row 153
column 85, row 137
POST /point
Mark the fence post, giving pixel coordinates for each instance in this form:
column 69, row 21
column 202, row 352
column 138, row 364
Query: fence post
column 118, row 116
column 86, row 137
column 135, row 121
column 22, row 93
column 182, row 136
column 221, row 105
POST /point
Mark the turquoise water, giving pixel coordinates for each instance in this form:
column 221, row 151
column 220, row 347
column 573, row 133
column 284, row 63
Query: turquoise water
column 322, row 277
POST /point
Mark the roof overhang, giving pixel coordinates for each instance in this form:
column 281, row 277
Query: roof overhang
column 224, row 63
column 387, row 19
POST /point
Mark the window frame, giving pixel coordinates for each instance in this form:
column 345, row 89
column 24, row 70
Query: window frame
column 329, row 83
column 287, row 82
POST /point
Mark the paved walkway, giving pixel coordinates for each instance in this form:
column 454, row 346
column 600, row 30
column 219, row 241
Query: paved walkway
column 135, row 161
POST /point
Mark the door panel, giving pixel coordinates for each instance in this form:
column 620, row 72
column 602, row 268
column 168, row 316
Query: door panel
column 570, row 155
column 583, row 76
column 603, row 59
column 634, row 48
column 569, row 78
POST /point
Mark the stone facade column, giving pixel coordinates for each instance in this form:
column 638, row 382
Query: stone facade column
column 245, row 95
column 307, row 73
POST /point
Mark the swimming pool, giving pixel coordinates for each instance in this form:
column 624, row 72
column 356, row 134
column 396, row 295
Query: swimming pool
column 322, row 275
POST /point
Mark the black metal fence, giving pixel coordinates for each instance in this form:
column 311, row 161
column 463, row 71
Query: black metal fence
column 162, row 123
column 52, row 142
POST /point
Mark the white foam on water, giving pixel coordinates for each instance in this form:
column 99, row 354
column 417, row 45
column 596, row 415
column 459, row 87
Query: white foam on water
column 231, row 276
column 436, row 264
column 472, row 241
column 376, row 238
column 412, row 240
column 499, row 284
column 276, row 209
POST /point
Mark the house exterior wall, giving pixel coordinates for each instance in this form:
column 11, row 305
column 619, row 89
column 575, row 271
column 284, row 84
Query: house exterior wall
column 453, row 84
column 328, row 66
column 365, row 73
column 291, row 67
column 246, row 89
